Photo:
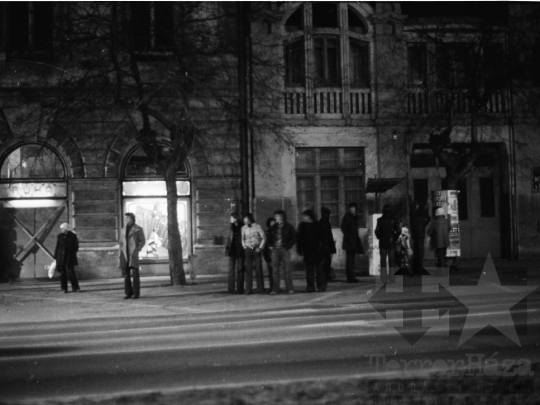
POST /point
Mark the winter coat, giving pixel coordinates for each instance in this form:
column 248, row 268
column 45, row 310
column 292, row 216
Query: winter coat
column 387, row 231
column 419, row 220
column 351, row 239
column 135, row 242
column 267, row 254
column 308, row 242
column 328, row 244
column 439, row 231
column 234, row 243
column 288, row 235
column 67, row 246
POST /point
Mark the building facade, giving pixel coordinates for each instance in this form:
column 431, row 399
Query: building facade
column 362, row 89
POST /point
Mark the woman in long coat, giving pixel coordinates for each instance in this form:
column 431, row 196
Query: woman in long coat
column 65, row 255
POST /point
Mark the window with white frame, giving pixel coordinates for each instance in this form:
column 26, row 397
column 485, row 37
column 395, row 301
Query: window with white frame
column 331, row 178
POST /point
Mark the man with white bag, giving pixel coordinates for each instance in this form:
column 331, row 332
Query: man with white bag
column 65, row 255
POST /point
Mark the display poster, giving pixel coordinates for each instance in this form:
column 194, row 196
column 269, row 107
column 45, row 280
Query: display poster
column 374, row 253
column 448, row 201
column 151, row 214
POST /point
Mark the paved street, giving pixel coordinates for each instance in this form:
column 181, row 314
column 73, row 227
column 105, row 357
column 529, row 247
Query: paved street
column 63, row 346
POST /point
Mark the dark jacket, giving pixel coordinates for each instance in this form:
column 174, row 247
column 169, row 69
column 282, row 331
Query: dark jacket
column 387, row 231
column 308, row 242
column 439, row 230
column 288, row 235
column 328, row 244
column 234, row 243
column 419, row 220
column 67, row 246
column 351, row 239
column 267, row 255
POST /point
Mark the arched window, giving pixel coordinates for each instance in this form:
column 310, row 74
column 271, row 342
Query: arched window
column 32, row 171
column 144, row 194
column 32, row 161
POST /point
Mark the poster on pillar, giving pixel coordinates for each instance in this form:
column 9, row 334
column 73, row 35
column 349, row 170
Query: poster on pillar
column 448, row 201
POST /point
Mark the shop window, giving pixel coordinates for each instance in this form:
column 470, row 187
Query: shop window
column 27, row 26
column 417, row 64
column 144, row 194
column 359, row 63
column 327, row 66
column 330, row 177
column 325, row 14
column 294, row 63
column 487, row 196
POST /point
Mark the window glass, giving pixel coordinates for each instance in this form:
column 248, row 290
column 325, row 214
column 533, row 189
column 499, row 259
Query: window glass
column 454, row 67
column 359, row 63
column 32, row 161
column 417, row 64
column 305, row 159
column 326, row 61
column 296, row 21
column 330, row 197
column 356, row 24
column 306, row 193
column 294, row 63
column 164, row 24
column 43, row 17
column 354, row 193
column 487, row 197
column 329, row 159
column 353, row 158
column 324, row 14
column 140, row 165
column 18, row 27
column 140, row 24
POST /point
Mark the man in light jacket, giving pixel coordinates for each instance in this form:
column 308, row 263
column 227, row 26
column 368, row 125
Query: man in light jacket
column 132, row 240
column 253, row 240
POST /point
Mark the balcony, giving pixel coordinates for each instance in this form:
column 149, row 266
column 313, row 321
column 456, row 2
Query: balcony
column 423, row 101
column 327, row 102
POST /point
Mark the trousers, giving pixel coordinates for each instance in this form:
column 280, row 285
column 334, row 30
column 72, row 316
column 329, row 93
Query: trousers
column 236, row 274
column 129, row 289
column 387, row 275
column 253, row 259
column 281, row 260
column 349, row 264
column 315, row 276
column 65, row 273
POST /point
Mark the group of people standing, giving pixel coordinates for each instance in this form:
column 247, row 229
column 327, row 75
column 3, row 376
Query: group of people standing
column 395, row 240
column 248, row 245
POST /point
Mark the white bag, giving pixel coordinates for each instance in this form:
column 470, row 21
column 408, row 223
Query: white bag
column 52, row 269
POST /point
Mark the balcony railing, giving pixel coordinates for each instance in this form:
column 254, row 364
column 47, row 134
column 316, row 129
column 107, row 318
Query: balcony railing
column 327, row 100
column 421, row 101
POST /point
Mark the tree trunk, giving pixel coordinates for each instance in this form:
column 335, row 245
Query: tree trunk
column 176, row 263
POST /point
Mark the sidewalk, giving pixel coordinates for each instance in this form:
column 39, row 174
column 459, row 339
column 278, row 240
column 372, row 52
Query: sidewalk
column 42, row 301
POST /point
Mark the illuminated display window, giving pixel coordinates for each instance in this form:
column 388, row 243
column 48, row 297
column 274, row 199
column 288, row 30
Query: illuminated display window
column 144, row 194
column 32, row 161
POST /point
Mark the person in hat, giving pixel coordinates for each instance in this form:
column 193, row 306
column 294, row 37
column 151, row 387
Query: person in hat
column 65, row 255
column 439, row 231
column 132, row 241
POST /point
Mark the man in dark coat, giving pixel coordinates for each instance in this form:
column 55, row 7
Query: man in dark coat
column 131, row 242
column 439, row 230
column 281, row 239
column 387, row 231
column 65, row 255
column 234, row 250
column 328, row 244
column 352, row 245
column 419, row 221
column 309, row 245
